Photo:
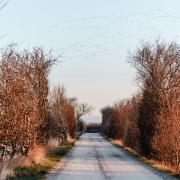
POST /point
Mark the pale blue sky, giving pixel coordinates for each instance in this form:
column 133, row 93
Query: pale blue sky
column 93, row 37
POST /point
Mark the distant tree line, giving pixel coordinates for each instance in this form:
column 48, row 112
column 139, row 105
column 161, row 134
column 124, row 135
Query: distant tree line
column 150, row 121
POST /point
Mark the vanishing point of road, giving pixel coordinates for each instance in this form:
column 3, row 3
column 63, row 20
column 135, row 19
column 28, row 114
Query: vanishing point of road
column 94, row 158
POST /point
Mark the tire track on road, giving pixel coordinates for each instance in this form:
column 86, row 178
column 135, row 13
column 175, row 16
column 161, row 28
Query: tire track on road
column 102, row 164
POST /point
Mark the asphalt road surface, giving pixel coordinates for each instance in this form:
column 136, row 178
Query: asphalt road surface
column 94, row 158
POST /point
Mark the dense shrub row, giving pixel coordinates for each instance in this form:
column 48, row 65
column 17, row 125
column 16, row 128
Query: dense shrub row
column 150, row 121
column 29, row 114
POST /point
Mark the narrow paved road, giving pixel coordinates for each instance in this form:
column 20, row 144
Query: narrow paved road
column 94, row 158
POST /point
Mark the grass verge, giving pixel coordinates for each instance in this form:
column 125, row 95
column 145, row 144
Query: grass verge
column 152, row 163
column 38, row 171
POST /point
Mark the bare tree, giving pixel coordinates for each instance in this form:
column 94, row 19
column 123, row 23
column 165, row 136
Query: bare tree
column 62, row 121
column 158, row 68
column 149, row 122
column 3, row 3
column 82, row 109
column 23, row 99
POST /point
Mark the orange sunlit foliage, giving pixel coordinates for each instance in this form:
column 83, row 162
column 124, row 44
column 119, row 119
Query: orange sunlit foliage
column 28, row 115
column 151, row 121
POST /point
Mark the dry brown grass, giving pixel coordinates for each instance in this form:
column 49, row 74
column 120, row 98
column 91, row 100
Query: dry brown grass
column 150, row 162
column 40, row 162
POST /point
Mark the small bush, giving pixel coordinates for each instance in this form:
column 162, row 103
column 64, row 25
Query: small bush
column 30, row 172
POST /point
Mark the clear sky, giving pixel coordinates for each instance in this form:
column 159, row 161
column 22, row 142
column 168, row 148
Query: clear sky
column 92, row 37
